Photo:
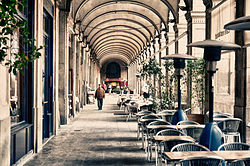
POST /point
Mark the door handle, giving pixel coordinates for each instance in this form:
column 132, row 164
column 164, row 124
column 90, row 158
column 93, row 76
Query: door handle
column 45, row 102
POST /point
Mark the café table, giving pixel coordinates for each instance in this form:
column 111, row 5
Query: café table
column 179, row 127
column 141, row 103
column 226, row 155
column 159, row 139
column 233, row 155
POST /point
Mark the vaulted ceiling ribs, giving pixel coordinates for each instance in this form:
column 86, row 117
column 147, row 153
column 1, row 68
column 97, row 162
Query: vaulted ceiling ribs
column 121, row 29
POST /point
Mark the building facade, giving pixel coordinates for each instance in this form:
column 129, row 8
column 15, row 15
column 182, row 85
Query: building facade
column 53, row 88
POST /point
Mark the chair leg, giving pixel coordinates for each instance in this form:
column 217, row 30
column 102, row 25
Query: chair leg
column 142, row 137
column 138, row 131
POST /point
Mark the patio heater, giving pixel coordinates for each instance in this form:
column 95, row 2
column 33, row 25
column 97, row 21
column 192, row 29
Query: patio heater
column 179, row 65
column 211, row 136
column 241, row 23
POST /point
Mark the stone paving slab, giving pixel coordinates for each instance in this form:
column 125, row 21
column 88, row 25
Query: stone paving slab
column 94, row 138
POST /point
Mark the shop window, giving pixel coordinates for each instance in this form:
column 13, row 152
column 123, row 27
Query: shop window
column 16, row 83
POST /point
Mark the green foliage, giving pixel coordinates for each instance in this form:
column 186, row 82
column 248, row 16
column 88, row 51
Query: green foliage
column 197, row 75
column 8, row 24
column 150, row 68
column 196, row 70
column 168, row 94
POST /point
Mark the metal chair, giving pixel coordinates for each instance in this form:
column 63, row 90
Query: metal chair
column 167, row 115
column 202, row 161
column 188, row 110
column 235, row 163
column 189, row 147
column 131, row 109
column 193, row 131
column 187, row 123
column 159, row 122
column 166, row 146
column 234, row 146
column 240, row 162
column 174, row 131
column 144, row 108
column 222, row 116
column 246, row 161
column 214, row 113
column 151, row 118
column 153, row 132
column 229, row 127
column 139, row 115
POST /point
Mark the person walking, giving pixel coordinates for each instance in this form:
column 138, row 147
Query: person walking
column 99, row 95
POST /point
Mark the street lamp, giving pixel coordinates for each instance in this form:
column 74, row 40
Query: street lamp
column 211, row 136
column 179, row 65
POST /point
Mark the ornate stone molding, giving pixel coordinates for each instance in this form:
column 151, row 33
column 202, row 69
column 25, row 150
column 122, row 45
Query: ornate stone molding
column 198, row 17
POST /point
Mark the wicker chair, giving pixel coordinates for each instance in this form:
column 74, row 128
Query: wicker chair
column 189, row 147
column 222, row 116
column 151, row 118
column 144, row 108
column 171, row 131
column 193, row 131
column 236, row 163
column 240, row 162
column 188, row 110
column 166, row 146
column 167, row 115
column 159, row 122
column 154, row 131
column 234, row 146
column 229, row 127
column 139, row 115
column 246, row 161
column 187, row 123
column 202, row 161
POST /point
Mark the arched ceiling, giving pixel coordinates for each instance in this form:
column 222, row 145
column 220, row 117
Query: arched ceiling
column 118, row 30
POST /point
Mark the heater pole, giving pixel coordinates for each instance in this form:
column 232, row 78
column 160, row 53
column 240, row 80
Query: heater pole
column 211, row 95
column 179, row 91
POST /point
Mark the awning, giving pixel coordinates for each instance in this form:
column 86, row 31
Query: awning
column 113, row 80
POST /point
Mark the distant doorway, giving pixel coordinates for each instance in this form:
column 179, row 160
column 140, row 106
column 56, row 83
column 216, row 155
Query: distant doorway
column 113, row 70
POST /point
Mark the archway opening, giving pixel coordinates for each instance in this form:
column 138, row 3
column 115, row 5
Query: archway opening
column 113, row 70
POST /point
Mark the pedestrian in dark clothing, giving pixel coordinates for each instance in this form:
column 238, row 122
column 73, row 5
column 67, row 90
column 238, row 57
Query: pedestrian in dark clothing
column 99, row 95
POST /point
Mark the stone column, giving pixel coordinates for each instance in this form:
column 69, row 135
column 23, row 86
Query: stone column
column 156, row 48
column 63, row 67
column 73, row 66
column 163, row 43
column 240, row 75
column 77, row 84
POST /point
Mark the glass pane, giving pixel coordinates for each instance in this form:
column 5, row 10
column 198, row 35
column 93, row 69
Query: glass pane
column 16, row 83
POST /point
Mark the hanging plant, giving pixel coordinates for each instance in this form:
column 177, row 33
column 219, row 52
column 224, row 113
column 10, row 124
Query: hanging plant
column 8, row 24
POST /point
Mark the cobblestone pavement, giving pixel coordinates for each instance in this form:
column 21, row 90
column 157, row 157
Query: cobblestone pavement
column 94, row 138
